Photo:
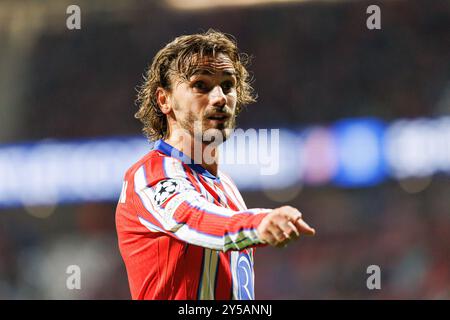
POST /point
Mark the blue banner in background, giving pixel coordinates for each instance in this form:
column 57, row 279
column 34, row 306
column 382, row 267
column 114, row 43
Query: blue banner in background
column 360, row 152
column 350, row 153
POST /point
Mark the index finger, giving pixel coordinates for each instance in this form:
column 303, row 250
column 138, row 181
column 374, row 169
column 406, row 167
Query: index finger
column 303, row 227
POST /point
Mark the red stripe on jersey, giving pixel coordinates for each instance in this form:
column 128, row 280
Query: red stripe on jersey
column 231, row 187
column 231, row 203
column 146, row 214
column 154, row 170
column 210, row 190
column 191, row 178
column 213, row 224
column 192, row 270
column 172, row 277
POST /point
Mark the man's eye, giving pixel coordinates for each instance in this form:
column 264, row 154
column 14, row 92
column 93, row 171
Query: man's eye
column 200, row 85
column 227, row 86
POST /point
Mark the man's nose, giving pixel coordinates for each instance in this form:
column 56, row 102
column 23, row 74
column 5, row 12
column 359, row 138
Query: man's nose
column 217, row 96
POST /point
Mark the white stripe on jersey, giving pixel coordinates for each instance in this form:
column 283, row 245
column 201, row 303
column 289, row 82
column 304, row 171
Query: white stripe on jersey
column 123, row 194
column 233, row 192
column 173, row 168
column 222, row 198
column 150, row 226
column 202, row 188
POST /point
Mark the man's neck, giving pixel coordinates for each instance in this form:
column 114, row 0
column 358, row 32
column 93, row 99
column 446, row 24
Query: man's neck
column 203, row 154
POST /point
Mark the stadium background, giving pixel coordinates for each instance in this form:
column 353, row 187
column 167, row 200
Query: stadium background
column 315, row 64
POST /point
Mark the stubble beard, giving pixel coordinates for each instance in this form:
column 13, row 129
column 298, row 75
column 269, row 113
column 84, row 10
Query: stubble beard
column 201, row 131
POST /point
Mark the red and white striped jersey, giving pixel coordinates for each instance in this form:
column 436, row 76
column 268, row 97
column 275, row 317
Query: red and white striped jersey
column 184, row 233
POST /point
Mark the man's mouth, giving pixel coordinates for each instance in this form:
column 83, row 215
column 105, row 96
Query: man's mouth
column 219, row 117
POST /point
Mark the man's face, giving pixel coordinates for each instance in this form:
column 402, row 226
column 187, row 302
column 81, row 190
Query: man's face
column 205, row 105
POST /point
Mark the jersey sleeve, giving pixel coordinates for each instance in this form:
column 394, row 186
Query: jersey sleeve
column 168, row 200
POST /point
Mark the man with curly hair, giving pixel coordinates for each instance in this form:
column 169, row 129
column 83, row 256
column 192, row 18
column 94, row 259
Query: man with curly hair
column 184, row 230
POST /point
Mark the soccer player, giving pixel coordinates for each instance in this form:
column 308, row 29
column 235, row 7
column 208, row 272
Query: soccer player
column 184, row 230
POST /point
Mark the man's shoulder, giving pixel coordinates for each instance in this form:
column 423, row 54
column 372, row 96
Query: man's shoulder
column 155, row 165
column 149, row 157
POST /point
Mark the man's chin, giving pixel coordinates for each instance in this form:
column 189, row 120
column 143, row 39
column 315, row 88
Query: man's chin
column 215, row 136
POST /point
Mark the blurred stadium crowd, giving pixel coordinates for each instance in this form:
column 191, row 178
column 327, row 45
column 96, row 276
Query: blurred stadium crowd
column 312, row 63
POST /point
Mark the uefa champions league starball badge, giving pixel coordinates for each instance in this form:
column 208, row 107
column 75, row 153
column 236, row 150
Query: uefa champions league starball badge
column 164, row 190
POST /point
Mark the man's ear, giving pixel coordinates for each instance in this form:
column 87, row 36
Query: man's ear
column 163, row 99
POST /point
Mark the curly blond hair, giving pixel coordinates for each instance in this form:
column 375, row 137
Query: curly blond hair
column 178, row 58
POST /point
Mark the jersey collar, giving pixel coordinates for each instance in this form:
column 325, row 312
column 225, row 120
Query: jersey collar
column 170, row 151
